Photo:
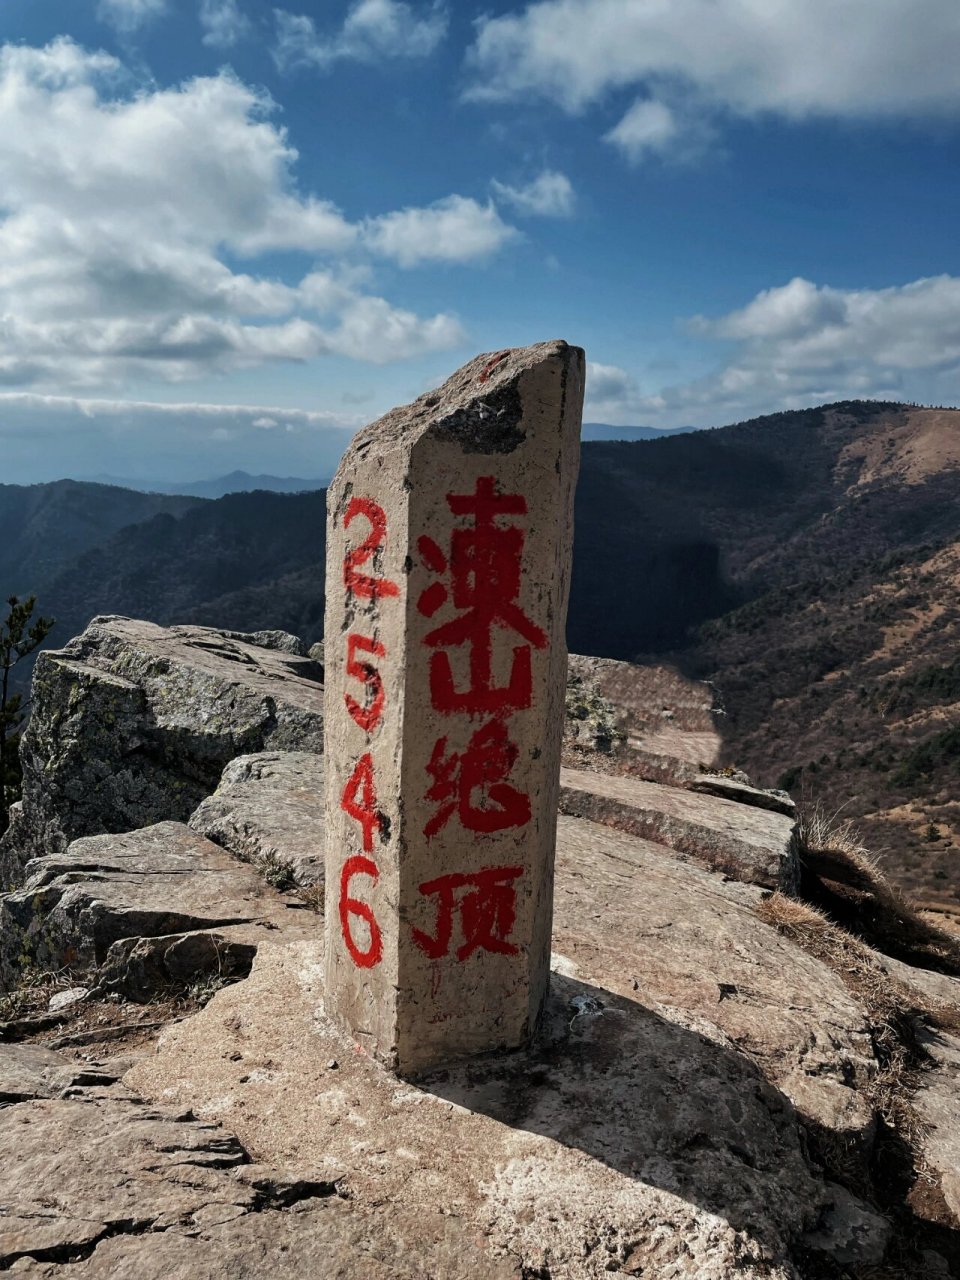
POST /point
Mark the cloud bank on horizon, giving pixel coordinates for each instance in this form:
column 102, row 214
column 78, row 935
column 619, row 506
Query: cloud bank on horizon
column 236, row 205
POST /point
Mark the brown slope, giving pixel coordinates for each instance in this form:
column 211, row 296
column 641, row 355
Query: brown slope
column 841, row 676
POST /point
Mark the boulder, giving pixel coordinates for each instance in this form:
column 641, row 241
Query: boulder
column 674, row 1009
column 74, row 907
column 269, row 811
column 133, row 724
column 754, row 845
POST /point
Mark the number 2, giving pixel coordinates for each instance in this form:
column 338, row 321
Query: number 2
column 362, row 584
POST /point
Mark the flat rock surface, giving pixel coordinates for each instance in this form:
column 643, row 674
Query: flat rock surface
column 690, row 945
column 268, row 811
column 133, row 724
column 702, row 1174
column 31, row 1071
column 115, row 1188
column 743, row 842
column 161, row 880
column 673, row 1008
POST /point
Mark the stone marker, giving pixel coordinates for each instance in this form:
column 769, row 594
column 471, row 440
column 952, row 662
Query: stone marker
column 448, row 572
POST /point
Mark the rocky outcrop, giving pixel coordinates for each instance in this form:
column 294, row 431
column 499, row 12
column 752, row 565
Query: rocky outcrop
column 710, row 1096
column 133, row 724
column 745, row 843
column 268, row 811
column 76, row 908
column 701, row 1175
column 93, row 1183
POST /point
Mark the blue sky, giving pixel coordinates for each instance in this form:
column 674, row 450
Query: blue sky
column 231, row 232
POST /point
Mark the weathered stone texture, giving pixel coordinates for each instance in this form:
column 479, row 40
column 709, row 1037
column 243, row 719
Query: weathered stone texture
column 133, row 724
column 162, row 880
column 269, row 811
column 646, row 1131
column 744, row 842
column 467, row 640
column 94, row 1184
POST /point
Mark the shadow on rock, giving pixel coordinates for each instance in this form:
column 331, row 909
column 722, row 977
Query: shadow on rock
column 655, row 1101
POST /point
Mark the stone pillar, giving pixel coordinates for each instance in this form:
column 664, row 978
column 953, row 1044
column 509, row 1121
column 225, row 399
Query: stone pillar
column 448, row 572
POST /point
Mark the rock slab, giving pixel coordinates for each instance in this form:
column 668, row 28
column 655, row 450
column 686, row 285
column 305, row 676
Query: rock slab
column 755, row 845
column 269, row 811
column 133, row 724
column 105, row 891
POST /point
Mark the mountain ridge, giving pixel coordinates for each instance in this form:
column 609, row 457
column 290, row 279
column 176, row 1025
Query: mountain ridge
column 806, row 563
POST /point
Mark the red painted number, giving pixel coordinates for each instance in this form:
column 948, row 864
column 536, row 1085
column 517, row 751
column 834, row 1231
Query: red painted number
column 362, row 584
column 359, row 866
column 369, row 716
column 359, row 800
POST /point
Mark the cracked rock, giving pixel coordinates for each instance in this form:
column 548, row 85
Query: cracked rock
column 746, row 843
column 74, row 906
column 269, row 811
column 132, row 724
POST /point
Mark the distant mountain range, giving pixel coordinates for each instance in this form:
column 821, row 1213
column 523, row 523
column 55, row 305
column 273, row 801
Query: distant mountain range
column 604, row 431
column 807, row 563
column 235, row 482
column 243, row 482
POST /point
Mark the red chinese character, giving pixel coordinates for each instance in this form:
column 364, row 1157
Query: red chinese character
column 484, row 567
column 487, row 912
column 473, row 783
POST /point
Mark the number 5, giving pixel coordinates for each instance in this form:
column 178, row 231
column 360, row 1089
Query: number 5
column 366, row 717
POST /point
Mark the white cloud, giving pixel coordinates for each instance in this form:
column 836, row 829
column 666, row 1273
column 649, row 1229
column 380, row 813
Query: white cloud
column 224, row 24
column 455, row 229
column 258, row 416
column 795, row 58
column 549, row 195
column 612, row 395
column 802, row 343
column 116, row 212
column 372, row 30
column 648, row 126
column 128, row 15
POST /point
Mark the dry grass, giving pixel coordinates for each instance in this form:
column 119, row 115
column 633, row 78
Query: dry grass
column 311, row 896
column 32, row 993
column 841, row 878
column 891, row 1009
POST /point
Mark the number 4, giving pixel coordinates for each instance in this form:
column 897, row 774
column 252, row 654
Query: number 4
column 364, row 810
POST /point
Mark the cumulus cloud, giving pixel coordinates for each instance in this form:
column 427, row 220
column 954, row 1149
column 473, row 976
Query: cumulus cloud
column 224, row 24
column 612, row 395
column 115, row 216
column 648, row 126
column 796, row 58
column 455, row 229
column 128, row 15
column 372, row 30
column 803, row 343
column 549, row 195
